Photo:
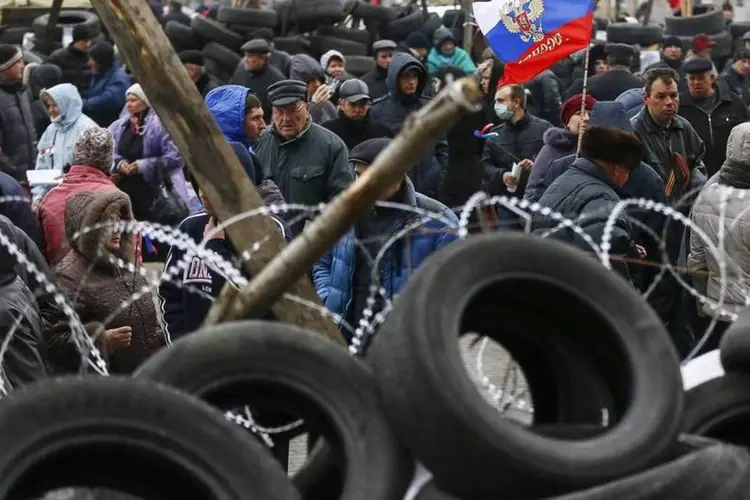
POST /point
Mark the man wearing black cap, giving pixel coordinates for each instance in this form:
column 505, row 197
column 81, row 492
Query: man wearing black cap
column 255, row 72
column 376, row 78
column 608, row 86
column 354, row 124
column 711, row 109
column 106, row 96
column 17, row 134
column 671, row 57
column 737, row 75
column 73, row 60
column 416, row 45
column 278, row 59
column 407, row 80
column 307, row 162
column 195, row 66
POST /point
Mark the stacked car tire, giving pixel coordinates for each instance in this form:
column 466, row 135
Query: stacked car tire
column 706, row 19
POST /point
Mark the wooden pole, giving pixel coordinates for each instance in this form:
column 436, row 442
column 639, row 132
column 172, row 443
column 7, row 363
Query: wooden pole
column 149, row 55
column 49, row 32
column 418, row 133
column 468, row 27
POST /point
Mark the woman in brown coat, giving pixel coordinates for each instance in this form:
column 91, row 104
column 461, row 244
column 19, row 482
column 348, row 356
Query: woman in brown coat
column 98, row 287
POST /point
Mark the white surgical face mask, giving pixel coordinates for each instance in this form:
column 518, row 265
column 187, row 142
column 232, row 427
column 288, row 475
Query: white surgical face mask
column 501, row 110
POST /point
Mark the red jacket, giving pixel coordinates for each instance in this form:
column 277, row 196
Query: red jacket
column 51, row 211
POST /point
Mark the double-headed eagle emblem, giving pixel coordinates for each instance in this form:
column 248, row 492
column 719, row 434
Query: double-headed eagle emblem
column 521, row 16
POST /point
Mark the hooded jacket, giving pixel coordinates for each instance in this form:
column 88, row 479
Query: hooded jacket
column 106, row 96
column 632, row 100
column 17, row 132
column 437, row 61
column 97, row 287
column 393, row 110
column 558, row 142
column 74, row 65
column 25, row 359
column 56, row 144
column 40, row 77
column 304, row 68
column 257, row 81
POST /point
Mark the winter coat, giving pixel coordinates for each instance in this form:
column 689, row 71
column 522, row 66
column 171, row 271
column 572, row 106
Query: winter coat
column 58, row 141
column 659, row 147
column 377, row 82
column 74, row 65
column 25, row 359
column 282, row 61
column 185, row 307
column 464, row 174
column 393, row 110
column 558, row 142
column 98, row 288
column 333, row 274
column 585, row 194
column 310, row 169
column 106, row 96
column 739, row 84
column 19, row 211
column 354, row 132
column 607, row 86
column 546, row 97
column 17, row 133
column 704, row 268
column 41, row 76
column 514, row 142
column 714, row 128
column 258, row 82
column 51, row 209
column 632, row 101
column 161, row 159
column 437, row 61
column 305, row 69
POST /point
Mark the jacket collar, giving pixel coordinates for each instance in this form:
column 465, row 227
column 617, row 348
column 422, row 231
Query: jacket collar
column 79, row 171
column 650, row 124
column 594, row 170
column 722, row 91
column 284, row 142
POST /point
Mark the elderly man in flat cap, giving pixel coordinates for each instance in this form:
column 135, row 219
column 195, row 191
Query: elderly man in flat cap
column 308, row 163
column 376, row 79
column 195, row 64
column 17, row 132
column 256, row 72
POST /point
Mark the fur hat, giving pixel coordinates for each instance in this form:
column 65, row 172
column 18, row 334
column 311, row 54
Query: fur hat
column 612, row 145
column 94, row 147
column 137, row 91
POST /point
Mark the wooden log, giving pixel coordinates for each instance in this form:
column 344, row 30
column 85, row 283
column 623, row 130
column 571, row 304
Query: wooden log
column 468, row 27
column 149, row 55
column 418, row 133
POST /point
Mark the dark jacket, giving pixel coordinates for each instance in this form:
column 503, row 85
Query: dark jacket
column 558, row 142
column 714, row 128
column 393, row 110
column 282, row 61
column 19, row 211
column 514, row 142
column 607, row 86
column 584, row 193
column 74, row 65
column 660, row 146
column 42, row 76
column 464, row 174
column 305, row 69
column 206, row 84
column 17, row 132
column 106, row 96
column 546, row 97
column 258, row 82
column 185, row 306
column 354, row 132
column 377, row 81
column 737, row 83
column 25, row 360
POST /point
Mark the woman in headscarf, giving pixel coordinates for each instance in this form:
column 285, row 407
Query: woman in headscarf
column 56, row 145
column 333, row 63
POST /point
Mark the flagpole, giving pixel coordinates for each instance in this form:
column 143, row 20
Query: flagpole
column 585, row 90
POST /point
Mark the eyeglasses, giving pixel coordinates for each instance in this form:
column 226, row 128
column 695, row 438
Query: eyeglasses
column 289, row 111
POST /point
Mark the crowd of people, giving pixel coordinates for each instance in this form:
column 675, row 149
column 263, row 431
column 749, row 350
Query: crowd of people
column 303, row 129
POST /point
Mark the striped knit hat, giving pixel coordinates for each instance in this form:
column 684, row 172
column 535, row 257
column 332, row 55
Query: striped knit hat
column 9, row 55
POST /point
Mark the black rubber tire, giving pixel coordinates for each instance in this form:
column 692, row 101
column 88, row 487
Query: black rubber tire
column 307, row 15
column 399, row 29
column 367, row 11
column 632, row 33
column 131, row 436
column 481, row 284
column 293, row 44
column 182, row 36
column 211, row 31
column 454, row 18
column 218, row 72
column 720, row 409
column 430, row 491
column 258, row 362
column 601, row 23
column 225, row 58
column 257, row 18
column 735, row 345
column 739, row 28
column 359, row 65
column 14, row 34
column 723, row 42
column 68, row 18
column 359, row 36
column 320, row 44
column 429, row 27
column 708, row 20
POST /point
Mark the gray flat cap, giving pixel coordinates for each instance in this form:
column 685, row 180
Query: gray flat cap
column 257, row 46
column 383, row 44
column 287, row 92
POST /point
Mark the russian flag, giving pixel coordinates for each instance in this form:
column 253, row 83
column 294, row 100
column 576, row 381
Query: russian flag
column 529, row 36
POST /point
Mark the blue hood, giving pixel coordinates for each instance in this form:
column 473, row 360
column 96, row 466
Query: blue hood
column 632, row 101
column 69, row 101
column 228, row 105
column 399, row 62
column 610, row 114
